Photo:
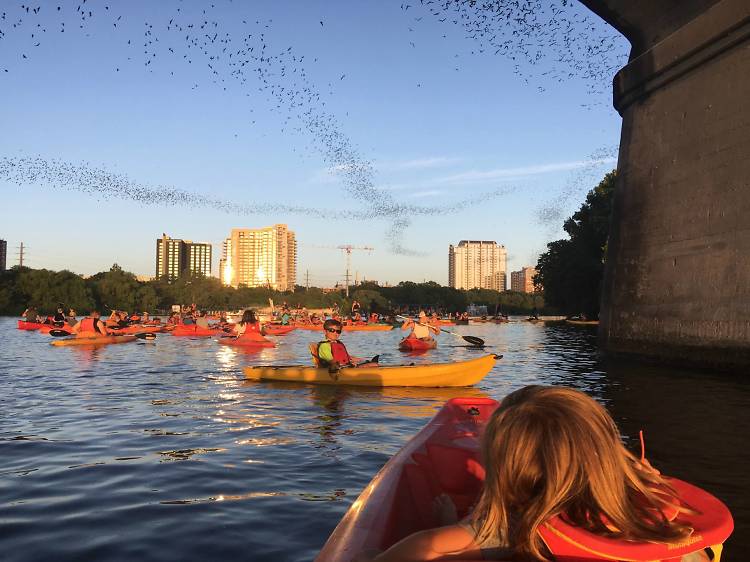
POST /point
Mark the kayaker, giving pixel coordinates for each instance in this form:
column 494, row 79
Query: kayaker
column 332, row 352
column 202, row 320
column 548, row 452
column 31, row 314
column 91, row 326
column 72, row 317
column 420, row 329
column 247, row 324
column 59, row 318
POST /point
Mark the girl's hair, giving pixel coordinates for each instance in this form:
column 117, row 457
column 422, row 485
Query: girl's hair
column 248, row 317
column 555, row 451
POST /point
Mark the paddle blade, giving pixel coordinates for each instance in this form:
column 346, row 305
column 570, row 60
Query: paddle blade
column 473, row 340
column 145, row 336
column 59, row 333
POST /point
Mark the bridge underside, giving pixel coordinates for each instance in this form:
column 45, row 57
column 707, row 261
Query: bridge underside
column 677, row 281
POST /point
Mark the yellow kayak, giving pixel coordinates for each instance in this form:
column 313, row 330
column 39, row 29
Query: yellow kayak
column 460, row 373
column 100, row 340
column 583, row 322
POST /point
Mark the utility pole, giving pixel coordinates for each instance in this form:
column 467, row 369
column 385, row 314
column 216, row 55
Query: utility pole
column 20, row 254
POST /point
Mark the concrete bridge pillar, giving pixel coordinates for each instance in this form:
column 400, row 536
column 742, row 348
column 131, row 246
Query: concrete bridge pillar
column 677, row 280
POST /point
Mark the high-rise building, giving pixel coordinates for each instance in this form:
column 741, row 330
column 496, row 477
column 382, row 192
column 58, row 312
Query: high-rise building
column 523, row 280
column 258, row 257
column 477, row 264
column 3, row 255
column 175, row 257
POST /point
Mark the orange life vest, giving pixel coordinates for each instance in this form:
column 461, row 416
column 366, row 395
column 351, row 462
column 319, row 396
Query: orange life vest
column 89, row 326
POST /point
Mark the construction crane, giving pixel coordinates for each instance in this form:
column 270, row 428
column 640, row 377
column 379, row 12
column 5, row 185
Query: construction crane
column 348, row 249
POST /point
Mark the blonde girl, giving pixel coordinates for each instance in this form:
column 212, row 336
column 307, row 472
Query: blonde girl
column 550, row 451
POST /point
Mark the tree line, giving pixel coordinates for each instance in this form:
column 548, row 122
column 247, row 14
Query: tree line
column 572, row 269
column 117, row 289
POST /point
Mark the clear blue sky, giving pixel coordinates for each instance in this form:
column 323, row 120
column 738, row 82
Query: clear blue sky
column 440, row 121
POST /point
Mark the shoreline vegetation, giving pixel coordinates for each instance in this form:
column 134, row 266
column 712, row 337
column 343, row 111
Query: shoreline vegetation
column 118, row 289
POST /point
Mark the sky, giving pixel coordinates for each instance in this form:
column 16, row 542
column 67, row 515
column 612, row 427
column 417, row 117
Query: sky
column 389, row 124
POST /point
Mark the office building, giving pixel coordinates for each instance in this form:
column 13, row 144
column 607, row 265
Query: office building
column 523, row 280
column 3, row 255
column 477, row 264
column 175, row 257
column 260, row 257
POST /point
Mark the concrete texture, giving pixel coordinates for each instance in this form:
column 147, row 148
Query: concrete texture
column 677, row 280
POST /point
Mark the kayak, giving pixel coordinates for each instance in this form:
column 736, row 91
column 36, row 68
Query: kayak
column 444, row 457
column 246, row 342
column 460, row 373
column 398, row 501
column 99, row 340
column 195, row 331
column 278, row 329
column 47, row 328
column 446, row 322
column 415, row 344
column 23, row 325
column 500, row 320
column 351, row 327
column 140, row 329
column 582, row 322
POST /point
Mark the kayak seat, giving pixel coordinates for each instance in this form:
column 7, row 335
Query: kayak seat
column 314, row 352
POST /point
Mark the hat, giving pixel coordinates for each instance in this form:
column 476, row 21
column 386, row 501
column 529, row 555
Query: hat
column 422, row 314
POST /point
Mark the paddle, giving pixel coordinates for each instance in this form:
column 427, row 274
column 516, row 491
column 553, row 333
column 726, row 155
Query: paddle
column 139, row 335
column 473, row 340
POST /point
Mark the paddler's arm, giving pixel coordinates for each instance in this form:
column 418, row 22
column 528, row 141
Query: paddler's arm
column 432, row 544
column 325, row 353
column 103, row 328
column 407, row 324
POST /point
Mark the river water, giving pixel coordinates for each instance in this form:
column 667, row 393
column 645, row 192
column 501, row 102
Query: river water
column 161, row 451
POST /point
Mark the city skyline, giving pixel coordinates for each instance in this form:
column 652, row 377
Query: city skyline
column 199, row 155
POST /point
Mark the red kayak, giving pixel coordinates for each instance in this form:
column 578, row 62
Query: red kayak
column 23, row 325
column 195, row 331
column 444, row 458
column 278, row 329
column 255, row 340
column 415, row 344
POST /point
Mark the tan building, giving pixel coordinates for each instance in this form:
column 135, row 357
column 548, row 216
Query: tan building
column 174, row 257
column 477, row 264
column 523, row 281
column 258, row 257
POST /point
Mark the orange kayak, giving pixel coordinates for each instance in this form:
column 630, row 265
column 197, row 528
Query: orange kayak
column 244, row 341
column 444, row 458
column 278, row 329
column 140, row 329
column 416, row 344
column 195, row 331
column 23, row 325
column 99, row 340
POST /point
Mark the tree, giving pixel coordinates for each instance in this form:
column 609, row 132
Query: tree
column 571, row 270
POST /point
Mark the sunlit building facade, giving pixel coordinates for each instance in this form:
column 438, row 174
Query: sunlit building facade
column 175, row 257
column 523, row 280
column 477, row 264
column 260, row 257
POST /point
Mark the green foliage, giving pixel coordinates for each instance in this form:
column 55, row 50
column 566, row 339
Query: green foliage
column 119, row 289
column 571, row 270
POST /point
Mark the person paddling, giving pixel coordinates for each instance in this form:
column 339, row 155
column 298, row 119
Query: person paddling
column 30, row 314
column 332, row 352
column 420, row 329
column 91, row 326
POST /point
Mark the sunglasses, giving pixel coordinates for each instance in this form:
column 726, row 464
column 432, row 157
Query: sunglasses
column 333, row 330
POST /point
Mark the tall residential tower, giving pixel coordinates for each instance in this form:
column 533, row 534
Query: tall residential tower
column 3, row 255
column 175, row 257
column 477, row 264
column 258, row 257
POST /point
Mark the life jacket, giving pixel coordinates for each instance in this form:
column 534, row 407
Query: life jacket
column 339, row 352
column 710, row 519
column 89, row 326
column 251, row 333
